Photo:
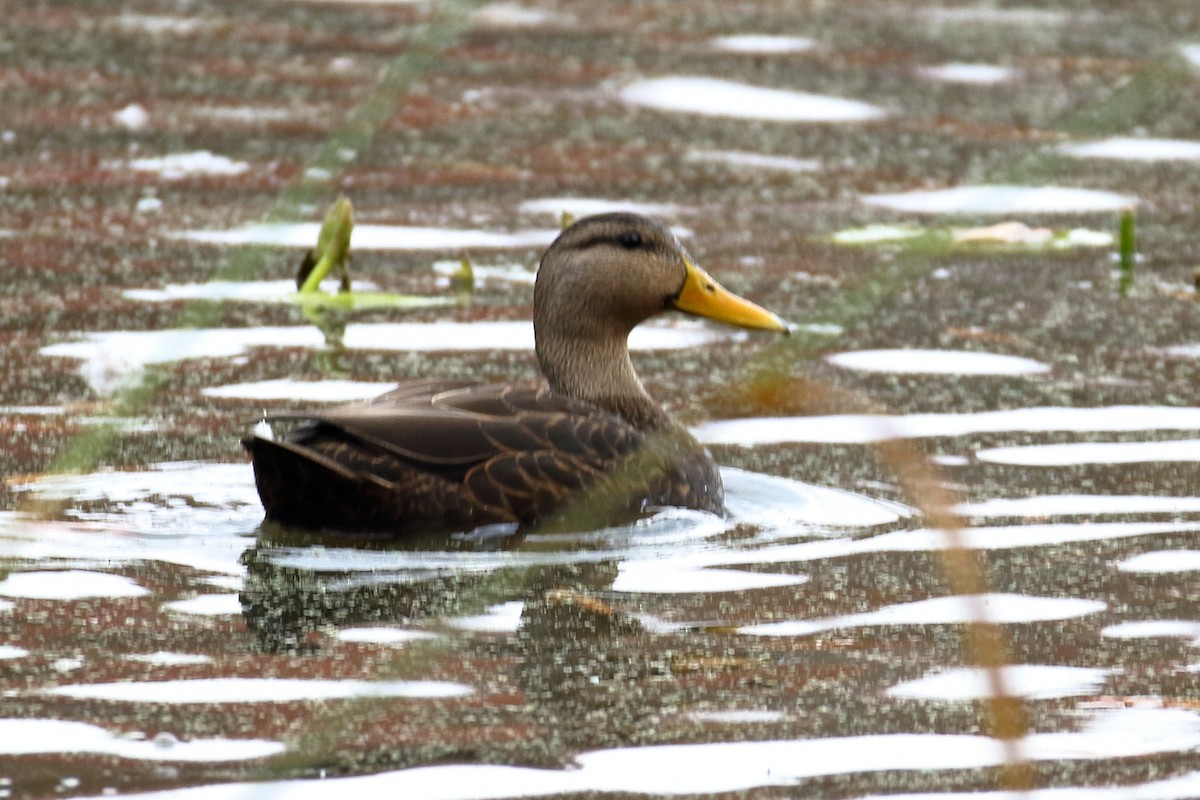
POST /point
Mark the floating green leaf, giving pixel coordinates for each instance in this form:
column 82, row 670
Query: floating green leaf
column 332, row 250
column 354, row 301
column 462, row 280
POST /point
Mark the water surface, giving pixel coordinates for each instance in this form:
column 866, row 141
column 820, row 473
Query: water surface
column 160, row 170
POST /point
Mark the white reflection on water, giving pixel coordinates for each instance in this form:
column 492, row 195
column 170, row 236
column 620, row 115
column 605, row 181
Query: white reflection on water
column 132, row 117
column 1136, row 149
column 986, row 14
column 1163, row 561
column 1179, row 350
column 513, row 15
column 1066, row 455
column 159, row 24
column 188, row 513
column 762, row 44
column 163, row 658
column 373, row 237
column 998, row 608
column 33, row 411
column 1155, row 628
column 638, row 570
column 1003, row 200
column 755, row 161
column 781, row 505
column 68, row 584
column 1033, row 681
column 500, row 618
column 245, row 291
column 184, row 165
column 1078, row 504
column 254, row 115
column 937, row 362
column 713, row 768
column 722, row 98
column 867, row 428
column 878, row 232
column 976, row 74
column 381, row 635
column 1005, row 537
column 656, row 578
column 255, row 690
column 109, row 544
column 37, row 736
column 207, row 605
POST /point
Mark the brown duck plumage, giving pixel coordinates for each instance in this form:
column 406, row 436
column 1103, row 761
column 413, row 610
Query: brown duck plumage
column 588, row 447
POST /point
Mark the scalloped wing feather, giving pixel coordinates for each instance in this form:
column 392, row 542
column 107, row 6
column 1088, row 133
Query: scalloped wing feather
column 449, row 451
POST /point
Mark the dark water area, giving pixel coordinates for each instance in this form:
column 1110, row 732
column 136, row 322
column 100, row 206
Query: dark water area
column 931, row 192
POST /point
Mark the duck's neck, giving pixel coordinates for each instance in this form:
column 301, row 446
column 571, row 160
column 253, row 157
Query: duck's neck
column 597, row 369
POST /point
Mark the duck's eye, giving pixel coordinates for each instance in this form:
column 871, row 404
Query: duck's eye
column 630, row 240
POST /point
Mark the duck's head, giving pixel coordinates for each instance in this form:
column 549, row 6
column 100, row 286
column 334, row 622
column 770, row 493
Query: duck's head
column 609, row 272
column 600, row 278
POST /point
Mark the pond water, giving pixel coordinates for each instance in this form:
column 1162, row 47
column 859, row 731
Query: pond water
column 108, row 357
column 931, row 192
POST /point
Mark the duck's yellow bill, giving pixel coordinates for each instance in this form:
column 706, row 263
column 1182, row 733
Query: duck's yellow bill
column 704, row 297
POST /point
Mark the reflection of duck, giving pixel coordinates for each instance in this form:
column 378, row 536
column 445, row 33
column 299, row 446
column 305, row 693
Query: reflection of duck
column 588, row 447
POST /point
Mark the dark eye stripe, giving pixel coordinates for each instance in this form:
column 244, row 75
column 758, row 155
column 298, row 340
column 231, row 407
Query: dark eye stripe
column 630, row 240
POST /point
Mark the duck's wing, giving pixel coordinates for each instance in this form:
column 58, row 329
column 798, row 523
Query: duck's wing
column 442, row 427
column 492, row 452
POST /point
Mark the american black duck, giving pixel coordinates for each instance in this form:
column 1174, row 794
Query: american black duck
column 587, row 447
